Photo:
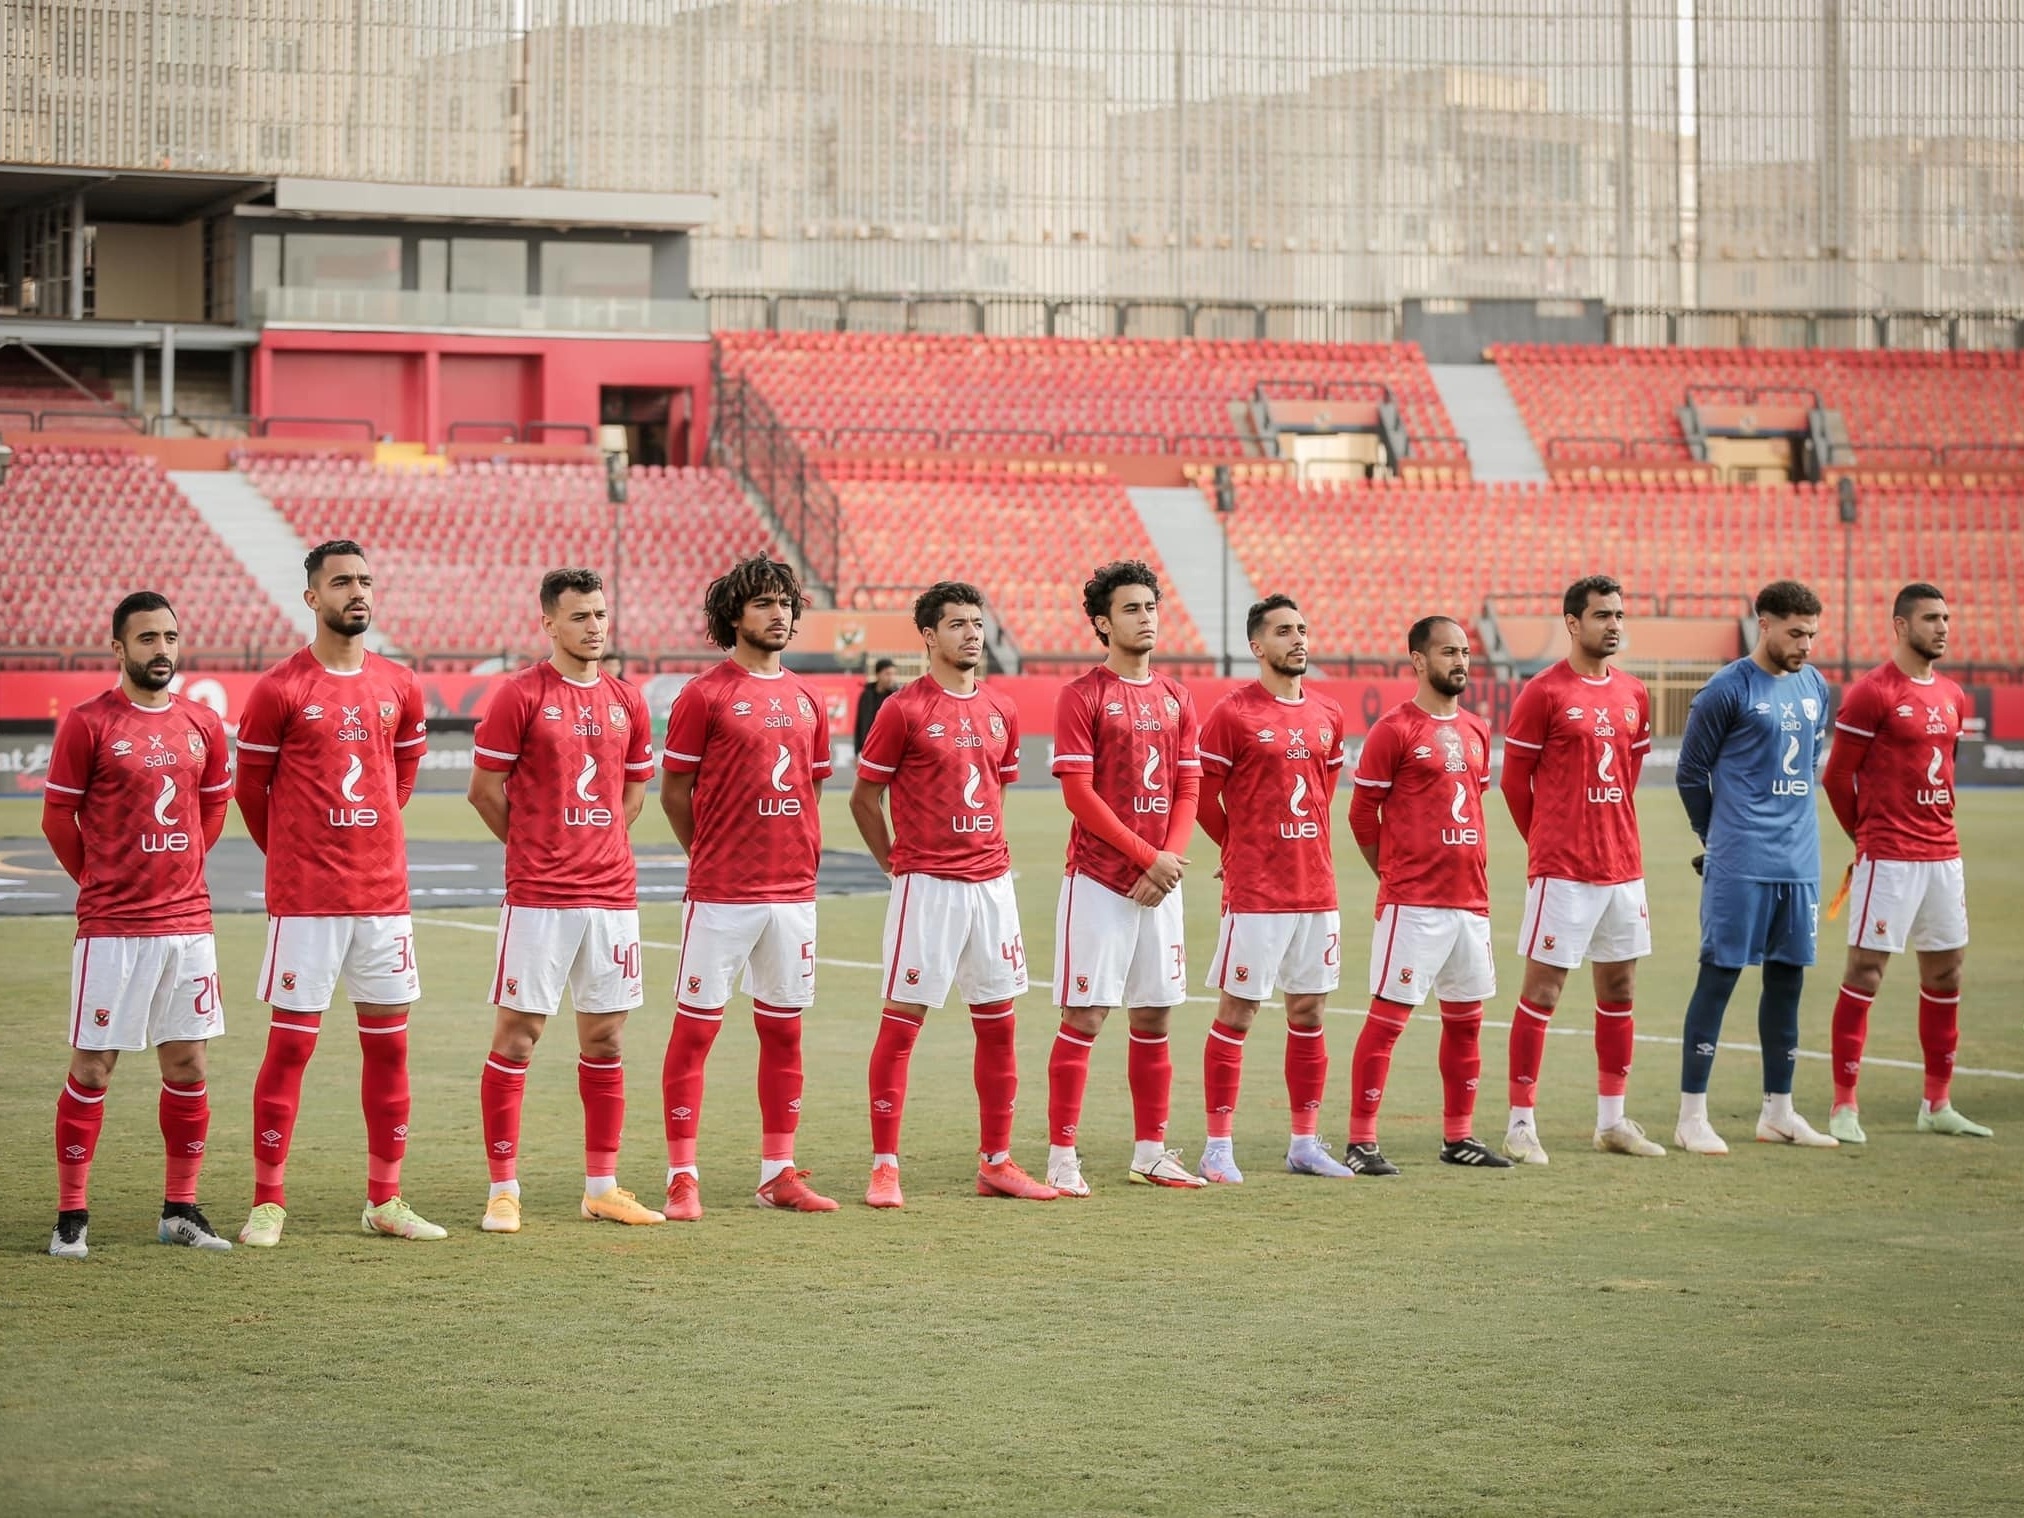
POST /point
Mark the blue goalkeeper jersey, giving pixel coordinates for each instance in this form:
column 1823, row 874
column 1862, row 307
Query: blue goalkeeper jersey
column 1753, row 745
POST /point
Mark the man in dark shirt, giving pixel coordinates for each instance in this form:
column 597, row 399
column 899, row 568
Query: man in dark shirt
column 883, row 682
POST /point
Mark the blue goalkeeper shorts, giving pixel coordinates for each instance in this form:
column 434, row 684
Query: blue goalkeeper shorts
column 1745, row 922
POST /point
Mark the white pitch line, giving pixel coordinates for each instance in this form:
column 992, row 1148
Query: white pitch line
column 1210, row 1001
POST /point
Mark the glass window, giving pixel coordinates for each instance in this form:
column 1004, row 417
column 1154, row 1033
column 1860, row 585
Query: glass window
column 623, row 269
column 328, row 261
column 432, row 265
column 488, row 266
column 266, row 262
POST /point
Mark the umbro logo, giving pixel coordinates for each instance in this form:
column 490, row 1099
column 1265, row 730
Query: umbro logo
column 1423, row 752
column 552, row 713
column 881, row 1105
column 1266, row 735
column 681, row 1114
column 1574, row 714
column 312, row 714
column 741, row 708
column 502, row 1146
column 121, row 748
column 1113, row 708
column 270, row 1136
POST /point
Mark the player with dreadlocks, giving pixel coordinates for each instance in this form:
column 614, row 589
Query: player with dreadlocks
column 747, row 752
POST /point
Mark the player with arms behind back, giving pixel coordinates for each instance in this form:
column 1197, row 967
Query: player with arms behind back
column 1755, row 737
column 329, row 747
column 944, row 748
column 1418, row 818
column 138, row 784
column 1271, row 754
column 1124, row 750
column 1576, row 743
column 560, row 768
column 1890, row 778
column 741, row 782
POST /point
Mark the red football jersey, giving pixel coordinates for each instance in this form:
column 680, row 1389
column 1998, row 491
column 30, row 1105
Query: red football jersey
column 335, row 847
column 758, row 746
column 1904, row 795
column 947, row 760
column 570, row 747
column 1132, row 737
column 141, row 777
column 1279, row 761
column 1430, row 773
column 1591, row 736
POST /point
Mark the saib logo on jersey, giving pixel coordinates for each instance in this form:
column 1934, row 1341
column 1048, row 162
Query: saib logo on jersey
column 1303, row 825
column 786, row 804
column 589, row 815
column 979, row 820
column 172, row 839
column 353, row 816
column 353, row 729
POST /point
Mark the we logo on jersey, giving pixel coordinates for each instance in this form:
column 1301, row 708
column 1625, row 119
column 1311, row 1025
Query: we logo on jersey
column 1150, row 784
column 1608, row 791
column 172, row 839
column 786, row 804
column 979, row 820
column 1936, row 792
column 1791, row 781
column 1302, row 825
column 354, row 815
column 589, row 815
column 1464, row 834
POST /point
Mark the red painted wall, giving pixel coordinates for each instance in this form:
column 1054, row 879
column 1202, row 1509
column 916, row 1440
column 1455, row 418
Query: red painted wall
column 414, row 384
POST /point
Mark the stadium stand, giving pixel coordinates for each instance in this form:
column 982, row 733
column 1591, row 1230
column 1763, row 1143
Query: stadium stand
column 83, row 526
column 458, row 551
column 1356, row 557
column 848, row 391
column 1905, row 406
column 1028, row 538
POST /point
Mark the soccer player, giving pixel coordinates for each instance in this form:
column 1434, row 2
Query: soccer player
column 944, row 748
column 136, row 795
column 1753, row 744
column 1417, row 814
column 1272, row 752
column 1124, row 750
column 329, row 746
column 1577, row 740
column 747, row 752
column 559, row 743
column 1890, row 778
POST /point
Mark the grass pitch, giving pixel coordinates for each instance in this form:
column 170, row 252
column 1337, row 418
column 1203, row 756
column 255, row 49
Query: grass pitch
column 1786, row 1332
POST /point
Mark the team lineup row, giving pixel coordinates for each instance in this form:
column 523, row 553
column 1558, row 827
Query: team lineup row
column 331, row 739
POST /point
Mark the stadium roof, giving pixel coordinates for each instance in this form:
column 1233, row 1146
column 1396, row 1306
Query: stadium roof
column 124, row 194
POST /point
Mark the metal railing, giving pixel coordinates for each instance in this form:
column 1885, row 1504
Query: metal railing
column 749, row 439
column 306, row 305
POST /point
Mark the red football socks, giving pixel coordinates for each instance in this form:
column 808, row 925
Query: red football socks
column 891, row 1053
column 185, row 1116
column 1939, row 1037
column 1851, row 1032
column 601, row 1085
column 1461, row 1066
column 1067, row 1079
column 501, row 1088
column 995, row 1071
column 277, row 1096
column 1370, row 1066
column 1615, row 1036
column 1149, row 1068
column 80, row 1114
column 779, row 1078
column 1222, row 1075
column 1528, row 1050
column 689, row 1044
column 383, row 1093
column 1306, row 1077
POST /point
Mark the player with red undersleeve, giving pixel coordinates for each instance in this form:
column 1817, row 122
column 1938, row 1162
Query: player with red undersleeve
column 138, row 784
column 1890, row 779
column 329, row 746
column 1417, row 813
column 1125, row 753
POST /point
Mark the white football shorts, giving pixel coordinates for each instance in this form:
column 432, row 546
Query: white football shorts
column 1567, row 921
column 1111, row 952
column 768, row 945
column 1920, row 904
column 1258, row 953
column 1442, row 951
column 961, row 933
column 135, row 993
column 306, row 955
column 594, row 950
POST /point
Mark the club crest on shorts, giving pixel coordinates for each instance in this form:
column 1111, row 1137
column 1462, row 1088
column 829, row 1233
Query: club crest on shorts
column 1882, row 925
column 288, row 980
column 102, row 1016
column 1405, row 975
column 1547, row 941
column 913, row 977
column 1082, row 983
column 512, row 986
column 695, row 984
column 1243, row 973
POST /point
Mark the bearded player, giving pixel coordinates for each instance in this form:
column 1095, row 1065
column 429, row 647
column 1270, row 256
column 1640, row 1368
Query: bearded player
column 329, row 747
column 1573, row 750
column 1272, row 752
column 1890, row 779
column 559, row 744
column 1417, row 814
column 1125, row 752
column 741, row 782
column 138, row 784
column 943, row 749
